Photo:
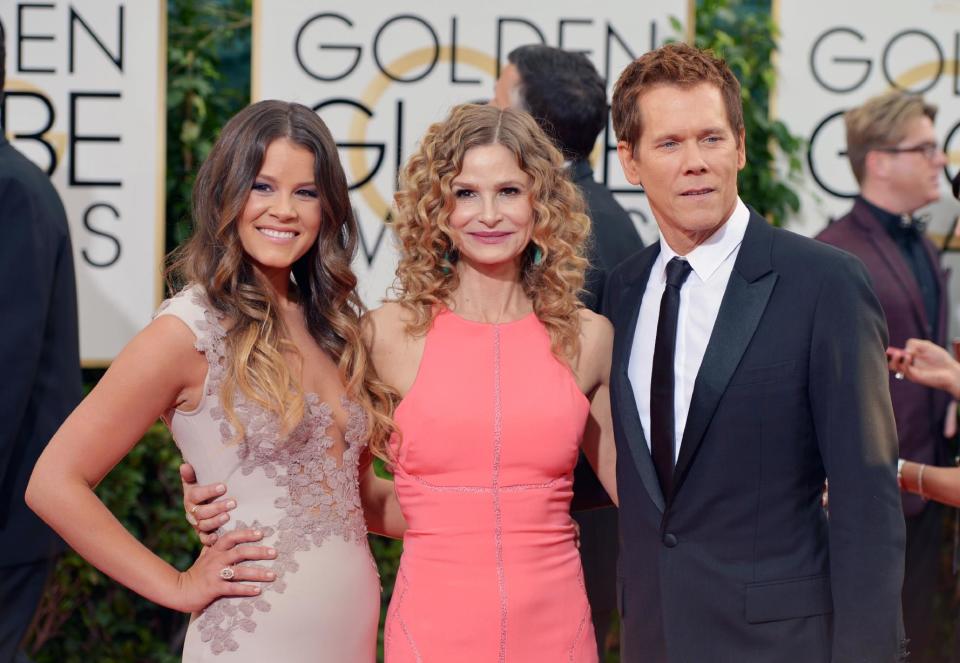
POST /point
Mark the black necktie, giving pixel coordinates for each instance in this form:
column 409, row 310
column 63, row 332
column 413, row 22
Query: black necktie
column 662, row 425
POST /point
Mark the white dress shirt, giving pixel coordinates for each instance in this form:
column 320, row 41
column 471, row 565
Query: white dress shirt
column 700, row 298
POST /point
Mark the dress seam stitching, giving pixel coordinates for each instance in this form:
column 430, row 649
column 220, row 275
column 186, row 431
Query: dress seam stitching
column 497, row 514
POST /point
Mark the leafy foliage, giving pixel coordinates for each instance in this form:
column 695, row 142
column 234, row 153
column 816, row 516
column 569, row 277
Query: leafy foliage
column 387, row 553
column 208, row 58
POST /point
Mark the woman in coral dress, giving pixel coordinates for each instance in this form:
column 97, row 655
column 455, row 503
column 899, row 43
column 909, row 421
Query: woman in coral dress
column 258, row 369
column 503, row 377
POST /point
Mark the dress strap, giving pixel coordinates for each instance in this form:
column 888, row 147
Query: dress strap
column 192, row 307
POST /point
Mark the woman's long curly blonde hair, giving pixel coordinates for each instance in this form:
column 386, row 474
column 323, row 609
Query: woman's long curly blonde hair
column 426, row 275
column 214, row 258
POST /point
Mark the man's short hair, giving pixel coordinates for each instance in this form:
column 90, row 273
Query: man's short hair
column 881, row 122
column 564, row 93
column 679, row 65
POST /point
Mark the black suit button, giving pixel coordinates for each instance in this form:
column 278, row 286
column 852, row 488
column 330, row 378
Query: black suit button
column 669, row 540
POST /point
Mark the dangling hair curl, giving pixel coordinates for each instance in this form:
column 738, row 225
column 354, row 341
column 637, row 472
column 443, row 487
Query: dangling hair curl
column 214, row 258
column 426, row 277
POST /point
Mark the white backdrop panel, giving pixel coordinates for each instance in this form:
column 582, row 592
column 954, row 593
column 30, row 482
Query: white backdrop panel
column 379, row 73
column 85, row 101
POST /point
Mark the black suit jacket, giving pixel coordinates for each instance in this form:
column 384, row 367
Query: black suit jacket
column 613, row 237
column 39, row 347
column 919, row 410
column 741, row 564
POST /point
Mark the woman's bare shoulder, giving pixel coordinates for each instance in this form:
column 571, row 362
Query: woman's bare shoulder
column 394, row 350
column 594, row 328
column 387, row 327
column 596, row 348
column 389, row 313
column 389, row 320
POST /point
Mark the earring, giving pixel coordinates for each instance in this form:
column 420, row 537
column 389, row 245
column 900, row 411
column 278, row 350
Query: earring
column 537, row 255
column 450, row 257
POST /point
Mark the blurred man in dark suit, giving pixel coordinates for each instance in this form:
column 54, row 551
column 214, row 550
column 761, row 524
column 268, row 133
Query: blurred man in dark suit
column 40, row 359
column 568, row 99
column 897, row 161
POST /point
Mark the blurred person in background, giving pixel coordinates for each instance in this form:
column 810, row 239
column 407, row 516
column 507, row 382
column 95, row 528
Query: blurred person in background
column 40, row 355
column 929, row 364
column 926, row 363
column 895, row 158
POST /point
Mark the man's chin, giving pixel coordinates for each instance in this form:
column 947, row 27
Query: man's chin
column 706, row 221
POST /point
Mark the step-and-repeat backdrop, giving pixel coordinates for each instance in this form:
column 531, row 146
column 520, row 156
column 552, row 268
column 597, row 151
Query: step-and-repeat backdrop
column 86, row 83
column 834, row 56
column 85, row 101
column 379, row 73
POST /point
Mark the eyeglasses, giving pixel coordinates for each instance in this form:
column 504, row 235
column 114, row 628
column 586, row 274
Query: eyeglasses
column 930, row 151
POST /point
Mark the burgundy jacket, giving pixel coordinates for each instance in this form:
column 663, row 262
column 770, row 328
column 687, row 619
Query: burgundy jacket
column 919, row 410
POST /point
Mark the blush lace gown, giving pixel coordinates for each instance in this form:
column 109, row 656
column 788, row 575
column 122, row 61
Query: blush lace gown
column 302, row 492
column 490, row 434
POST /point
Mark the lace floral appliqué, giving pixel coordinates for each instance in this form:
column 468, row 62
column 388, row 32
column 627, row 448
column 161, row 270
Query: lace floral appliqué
column 320, row 497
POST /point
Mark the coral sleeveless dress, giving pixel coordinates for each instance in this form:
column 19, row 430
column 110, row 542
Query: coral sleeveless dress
column 490, row 435
column 301, row 491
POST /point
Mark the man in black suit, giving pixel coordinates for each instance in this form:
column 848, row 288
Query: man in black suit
column 39, row 353
column 567, row 97
column 748, row 367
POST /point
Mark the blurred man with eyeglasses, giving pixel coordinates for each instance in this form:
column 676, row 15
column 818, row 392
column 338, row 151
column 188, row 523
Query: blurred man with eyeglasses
column 898, row 163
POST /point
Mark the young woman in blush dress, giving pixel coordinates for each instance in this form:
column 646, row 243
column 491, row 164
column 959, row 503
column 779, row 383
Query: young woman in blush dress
column 258, row 369
column 504, row 377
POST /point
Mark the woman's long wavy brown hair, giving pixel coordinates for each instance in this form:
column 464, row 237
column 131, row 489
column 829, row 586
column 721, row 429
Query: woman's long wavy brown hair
column 426, row 276
column 214, row 258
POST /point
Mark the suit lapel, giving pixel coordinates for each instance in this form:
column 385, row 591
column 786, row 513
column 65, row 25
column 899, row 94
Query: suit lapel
column 744, row 301
column 634, row 286
column 942, row 275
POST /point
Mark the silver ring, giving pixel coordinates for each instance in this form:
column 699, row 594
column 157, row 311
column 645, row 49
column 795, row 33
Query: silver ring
column 227, row 573
column 193, row 509
column 898, row 375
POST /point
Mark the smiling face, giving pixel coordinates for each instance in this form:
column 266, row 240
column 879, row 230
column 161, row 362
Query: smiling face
column 281, row 218
column 492, row 219
column 687, row 159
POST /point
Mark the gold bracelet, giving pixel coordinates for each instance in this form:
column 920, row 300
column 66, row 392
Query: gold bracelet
column 923, row 466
